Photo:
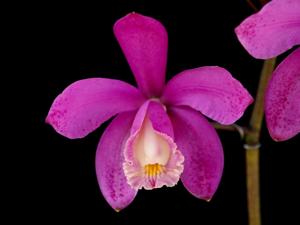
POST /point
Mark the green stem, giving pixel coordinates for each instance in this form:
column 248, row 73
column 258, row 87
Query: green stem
column 234, row 127
column 258, row 111
column 252, row 146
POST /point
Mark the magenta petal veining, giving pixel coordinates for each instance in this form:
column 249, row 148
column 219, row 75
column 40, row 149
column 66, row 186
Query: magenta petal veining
column 211, row 90
column 109, row 162
column 202, row 150
column 271, row 31
column 282, row 100
column 86, row 104
column 266, row 34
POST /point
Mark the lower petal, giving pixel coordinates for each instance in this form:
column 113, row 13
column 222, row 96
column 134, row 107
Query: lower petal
column 202, row 149
column 282, row 104
column 109, row 160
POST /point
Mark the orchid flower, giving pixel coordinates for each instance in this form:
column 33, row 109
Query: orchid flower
column 266, row 34
column 159, row 134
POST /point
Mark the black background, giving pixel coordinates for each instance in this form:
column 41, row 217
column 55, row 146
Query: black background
column 65, row 43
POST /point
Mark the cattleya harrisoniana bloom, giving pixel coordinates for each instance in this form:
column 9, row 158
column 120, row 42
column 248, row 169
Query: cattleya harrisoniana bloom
column 159, row 134
column 266, row 34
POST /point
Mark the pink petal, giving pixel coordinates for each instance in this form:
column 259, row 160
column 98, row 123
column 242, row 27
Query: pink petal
column 271, row 31
column 211, row 90
column 86, row 104
column 202, row 149
column 109, row 160
column 151, row 156
column 144, row 42
column 282, row 101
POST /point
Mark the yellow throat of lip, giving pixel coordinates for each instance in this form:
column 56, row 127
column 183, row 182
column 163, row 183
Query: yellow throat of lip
column 152, row 170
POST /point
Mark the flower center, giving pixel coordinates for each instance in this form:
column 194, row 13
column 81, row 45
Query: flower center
column 158, row 100
column 150, row 147
column 153, row 170
column 152, row 159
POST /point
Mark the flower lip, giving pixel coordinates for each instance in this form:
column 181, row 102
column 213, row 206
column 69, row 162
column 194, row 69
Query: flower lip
column 150, row 147
column 151, row 156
